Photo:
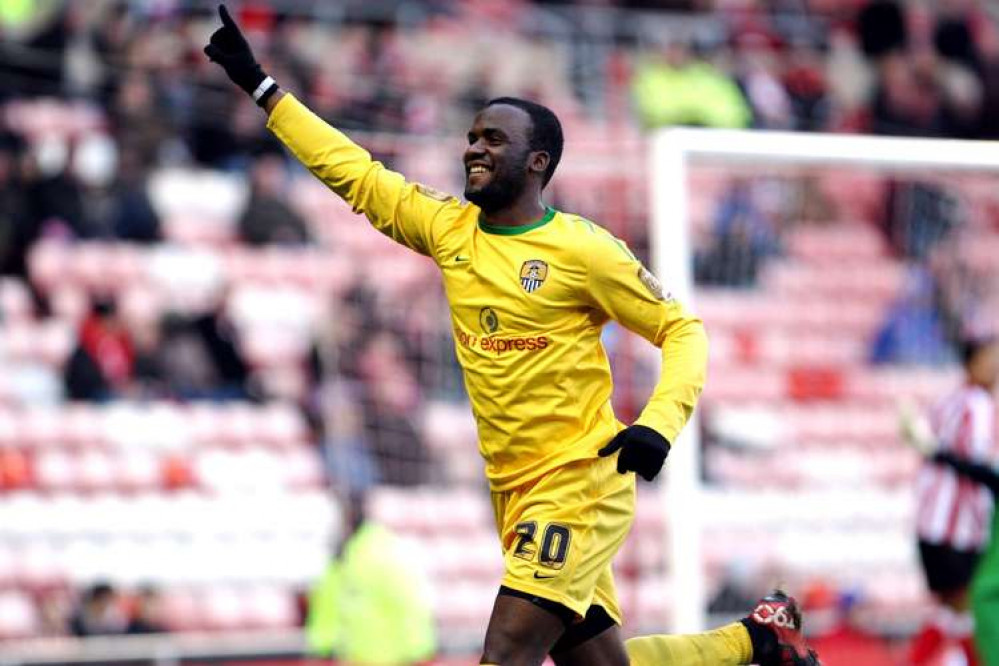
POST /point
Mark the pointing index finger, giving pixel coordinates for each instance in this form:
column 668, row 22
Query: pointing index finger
column 226, row 19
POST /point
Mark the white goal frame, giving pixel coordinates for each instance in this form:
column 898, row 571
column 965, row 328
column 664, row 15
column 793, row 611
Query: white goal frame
column 673, row 151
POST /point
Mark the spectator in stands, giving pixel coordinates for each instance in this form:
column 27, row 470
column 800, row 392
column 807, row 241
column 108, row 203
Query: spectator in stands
column 201, row 358
column 147, row 613
column 111, row 39
column 918, row 216
column 371, row 605
column 101, row 365
column 55, row 610
column 45, row 28
column 337, row 350
column 132, row 216
column 137, row 117
column 14, row 228
column 808, row 91
column 267, row 218
column 882, row 28
column 961, row 291
column 149, row 373
column 758, row 65
column 678, row 88
column 918, row 92
column 99, row 612
column 914, row 330
column 959, row 71
column 349, row 460
column 390, row 402
column 53, row 196
column 744, row 237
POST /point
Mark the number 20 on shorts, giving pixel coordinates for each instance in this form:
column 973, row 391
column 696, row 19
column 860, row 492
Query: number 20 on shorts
column 554, row 543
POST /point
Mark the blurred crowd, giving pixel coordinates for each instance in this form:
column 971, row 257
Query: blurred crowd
column 102, row 609
column 138, row 70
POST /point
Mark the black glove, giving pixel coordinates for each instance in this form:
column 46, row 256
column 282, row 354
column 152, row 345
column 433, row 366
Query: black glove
column 230, row 49
column 643, row 450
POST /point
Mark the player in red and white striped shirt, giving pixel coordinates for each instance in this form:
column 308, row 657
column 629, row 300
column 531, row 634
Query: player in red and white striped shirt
column 954, row 513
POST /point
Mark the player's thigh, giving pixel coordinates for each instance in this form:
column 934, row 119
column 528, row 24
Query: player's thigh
column 596, row 639
column 522, row 630
column 604, row 649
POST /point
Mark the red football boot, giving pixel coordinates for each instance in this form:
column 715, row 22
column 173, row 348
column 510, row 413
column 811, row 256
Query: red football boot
column 779, row 613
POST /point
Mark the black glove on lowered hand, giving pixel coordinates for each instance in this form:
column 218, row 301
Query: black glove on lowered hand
column 643, row 450
column 229, row 48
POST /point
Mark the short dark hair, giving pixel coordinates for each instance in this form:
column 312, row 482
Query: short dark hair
column 99, row 590
column 546, row 130
column 970, row 346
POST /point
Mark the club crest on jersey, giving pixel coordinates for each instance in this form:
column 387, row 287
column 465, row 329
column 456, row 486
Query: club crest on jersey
column 533, row 274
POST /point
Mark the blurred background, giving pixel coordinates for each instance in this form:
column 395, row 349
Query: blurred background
column 208, row 363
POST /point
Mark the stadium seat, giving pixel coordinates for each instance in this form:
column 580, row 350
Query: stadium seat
column 15, row 301
column 136, row 471
column 95, row 471
column 19, row 617
column 222, row 607
column 56, row 470
column 269, row 607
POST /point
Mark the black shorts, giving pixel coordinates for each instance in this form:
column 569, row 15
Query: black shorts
column 947, row 569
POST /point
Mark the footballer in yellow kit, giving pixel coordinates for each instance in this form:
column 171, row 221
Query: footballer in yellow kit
column 527, row 306
column 530, row 289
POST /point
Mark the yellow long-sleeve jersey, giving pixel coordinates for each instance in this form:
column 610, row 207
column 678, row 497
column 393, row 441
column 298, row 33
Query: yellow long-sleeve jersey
column 527, row 307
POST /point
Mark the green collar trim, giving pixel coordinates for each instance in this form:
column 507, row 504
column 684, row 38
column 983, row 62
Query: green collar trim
column 520, row 228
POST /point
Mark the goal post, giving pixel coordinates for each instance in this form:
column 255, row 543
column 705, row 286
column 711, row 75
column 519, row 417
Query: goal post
column 673, row 153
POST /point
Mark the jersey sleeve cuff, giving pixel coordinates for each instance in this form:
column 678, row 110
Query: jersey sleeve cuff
column 658, row 425
column 280, row 110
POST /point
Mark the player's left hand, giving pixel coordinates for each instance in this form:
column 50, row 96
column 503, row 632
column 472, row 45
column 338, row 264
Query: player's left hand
column 229, row 48
column 643, row 451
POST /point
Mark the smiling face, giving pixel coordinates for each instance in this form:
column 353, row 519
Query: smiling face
column 499, row 160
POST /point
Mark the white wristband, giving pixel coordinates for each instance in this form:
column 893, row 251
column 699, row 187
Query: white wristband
column 264, row 86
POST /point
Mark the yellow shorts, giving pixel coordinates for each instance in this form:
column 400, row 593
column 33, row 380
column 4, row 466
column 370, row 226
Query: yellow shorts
column 561, row 531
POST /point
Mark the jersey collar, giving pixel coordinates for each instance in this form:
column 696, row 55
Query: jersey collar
column 519, row 229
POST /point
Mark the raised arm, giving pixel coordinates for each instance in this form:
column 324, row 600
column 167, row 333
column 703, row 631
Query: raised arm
column 407, row 212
